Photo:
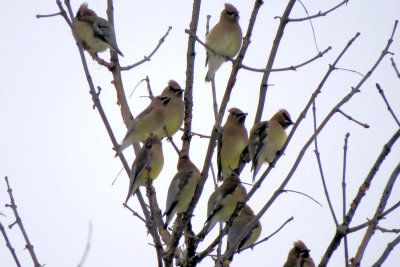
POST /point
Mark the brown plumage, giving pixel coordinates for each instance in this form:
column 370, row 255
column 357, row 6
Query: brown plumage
column 299, row 256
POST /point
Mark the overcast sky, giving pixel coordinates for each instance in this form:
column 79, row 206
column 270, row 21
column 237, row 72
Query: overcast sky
column 60, row 162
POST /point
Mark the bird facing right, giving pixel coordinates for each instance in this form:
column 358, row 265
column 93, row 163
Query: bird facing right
column 267, row 139
column 225, row 38
column 97, row 34
column 231, row 143
column 222, row 203
column 299, row 256
column 150, row 120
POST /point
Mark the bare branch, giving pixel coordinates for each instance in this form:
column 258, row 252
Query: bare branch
column 268, row 237
column 395, row 67
column 134, row 213
column 85, row 253
column 346, row 249
column 387, row 251
column 303, row 194
column 38, row 16
column 317, row 155
column 384, row 230
column 18, row 221
column 271, row 59
column 320, row 13
column 381, row 206
column 147, row 58
column 349, row 70
column 8, row 244
column 339, row 232
column 311, row 24
column 387, row 103
column 197, row 134
column 293, row 67
column 354, row 120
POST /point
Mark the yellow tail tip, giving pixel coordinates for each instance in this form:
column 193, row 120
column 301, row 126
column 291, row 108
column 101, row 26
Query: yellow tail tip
column 227, row 261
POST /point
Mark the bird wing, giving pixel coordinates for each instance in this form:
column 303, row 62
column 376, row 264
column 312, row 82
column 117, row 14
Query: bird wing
column 175, row 189
column 141, row 162
column 258, row 141
column 105, row 31
column 215, row 200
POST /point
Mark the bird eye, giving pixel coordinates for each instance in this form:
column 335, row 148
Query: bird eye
column 231, row 13
column 286, row 116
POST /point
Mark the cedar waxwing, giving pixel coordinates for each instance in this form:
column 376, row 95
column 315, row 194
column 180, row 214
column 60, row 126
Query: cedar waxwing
column 150, row 157
column 181, row 189
column 267, row 139
column 239, row 225
column 175, row 111
column 299, row 256
column 97, row 34
column 231, row 143
column 222, row 203
column 150, row 120
column 225, row 39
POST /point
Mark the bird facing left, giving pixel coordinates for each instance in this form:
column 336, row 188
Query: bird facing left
column 97, row 34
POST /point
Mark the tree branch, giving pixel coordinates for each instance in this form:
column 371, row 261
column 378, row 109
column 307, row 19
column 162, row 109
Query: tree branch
column 387, row 103
column 9, row 246
column 320, row 14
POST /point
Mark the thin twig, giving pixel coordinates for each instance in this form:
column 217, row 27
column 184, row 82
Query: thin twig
column 134, row 213
column 303, row 194
column 387, row 103
column 268, row 237
column 365, row 125
column 86, row 252
column 38, row 16
column 18, row 221
column 312, row 26
column 321, row 172
column 395, row 67
column 387, row 251
column 147, row 58
column 320, row 13
column 8, row 244
column 349, row 70
column 384, row 230
column 346, row 249
column 197, row 134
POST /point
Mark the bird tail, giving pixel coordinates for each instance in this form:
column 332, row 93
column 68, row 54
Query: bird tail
column 255, row 167
column 214, row 63
column 207, row 228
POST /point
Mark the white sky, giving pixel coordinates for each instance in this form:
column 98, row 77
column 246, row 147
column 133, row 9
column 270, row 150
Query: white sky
column 59, row 160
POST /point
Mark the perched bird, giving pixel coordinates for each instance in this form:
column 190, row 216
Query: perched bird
column 175, row 111
column 267, row 139
column 239, row 225
column 225, row 39
column 299, row 256
column 97, row 34
column 150, row 120
column 181, row 189
column 231, row 143
column 222, row 203
column 151, row 158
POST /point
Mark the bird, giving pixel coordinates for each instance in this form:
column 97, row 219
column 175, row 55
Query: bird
column 150, row 120
column 239, row 225
column 150, row 157
column 299, row 256
column 97, row 34
column 181, row 189
column 231, row 142
column 222, row 203
column 175, row 110
column 267, row 139
column 225, row 39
